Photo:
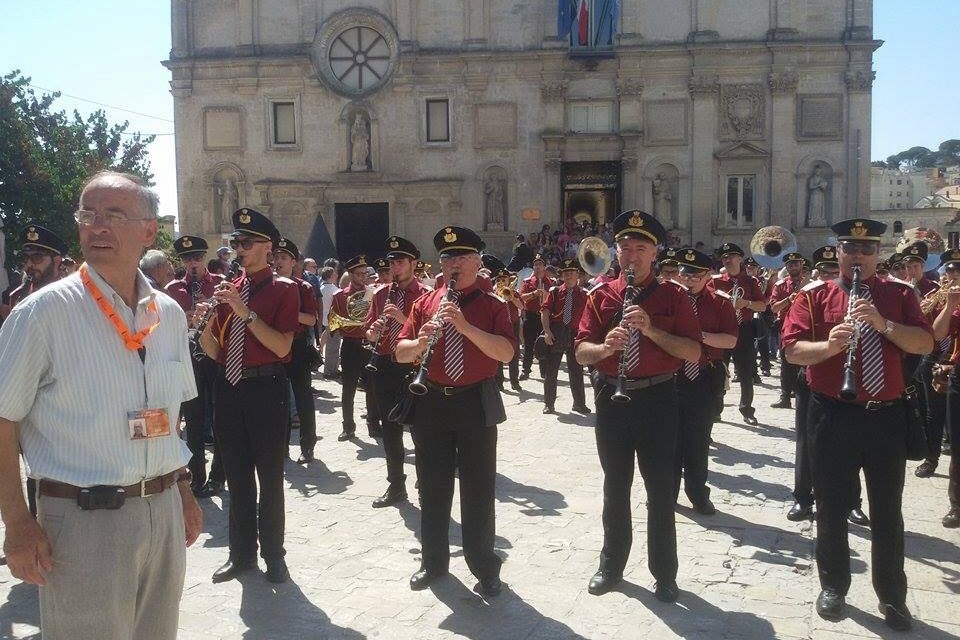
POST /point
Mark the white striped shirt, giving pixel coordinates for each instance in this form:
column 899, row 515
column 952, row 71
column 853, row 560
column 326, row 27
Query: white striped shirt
column 68, row 379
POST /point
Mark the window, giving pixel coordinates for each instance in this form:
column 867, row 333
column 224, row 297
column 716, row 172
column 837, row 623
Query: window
column 284, row 123
column 592, row 23
column 438, row 120
column 899, row 193
column 740, row 199
column 898, row 205
column 897, row 226
column 590, row 117
column 953, row 240
column 899, row 181
column 360, row 58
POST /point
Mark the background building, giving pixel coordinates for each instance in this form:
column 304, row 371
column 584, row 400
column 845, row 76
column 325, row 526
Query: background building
column 893, row 189
column 349, row 121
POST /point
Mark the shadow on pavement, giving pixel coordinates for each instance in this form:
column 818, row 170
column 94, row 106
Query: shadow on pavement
column 749, row 485
column 724, row 454
column 534, row 501
column 316, row 478
column 21, row 608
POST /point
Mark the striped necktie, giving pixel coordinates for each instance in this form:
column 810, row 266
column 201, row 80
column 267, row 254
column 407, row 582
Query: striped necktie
column 238, row 330
column 692, row 369
column 395, row 325
column 568, row 307
column 632, row 357
column 871, row 355
column 452, row 347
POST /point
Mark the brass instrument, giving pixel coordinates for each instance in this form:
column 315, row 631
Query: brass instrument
column 506, row 289
column 418, row 386
column 937, row 299
column 357, row 305
column 594, row 256
column 849, row 389
column 620, row 394
column 770, row 244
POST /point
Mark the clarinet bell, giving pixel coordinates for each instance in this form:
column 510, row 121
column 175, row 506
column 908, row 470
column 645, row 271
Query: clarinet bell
column 417, row 386
column 619, row 395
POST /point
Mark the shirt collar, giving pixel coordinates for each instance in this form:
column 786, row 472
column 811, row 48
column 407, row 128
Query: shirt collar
column 145, row 293
column 260, row 276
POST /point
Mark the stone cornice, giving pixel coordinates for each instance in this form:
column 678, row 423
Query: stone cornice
column 703, row 85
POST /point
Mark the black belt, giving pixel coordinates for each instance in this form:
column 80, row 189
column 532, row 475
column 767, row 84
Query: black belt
column 869, row 405
column 359, row 340
column 451, row 391
column 632, row 384
column 264, row 371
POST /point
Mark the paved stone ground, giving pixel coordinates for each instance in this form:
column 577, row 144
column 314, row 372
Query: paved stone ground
column 744, row 573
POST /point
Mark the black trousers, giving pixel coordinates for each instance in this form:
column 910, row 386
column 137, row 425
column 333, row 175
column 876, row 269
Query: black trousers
column 550, row 369
column 389, row 383
column 513, row 367
column 449, row 435
column 745, row 366
column 301, row 381
column 642, row 432
column 251, row 424
column 195, row 413
column 788, row 379
column 843, row 439
column 936, row 407
column 693, row 436
column 532, row 327
column 761, row 340
column 353, row 357
column 953, row 413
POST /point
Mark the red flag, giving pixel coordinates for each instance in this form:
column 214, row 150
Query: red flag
column 583, row 23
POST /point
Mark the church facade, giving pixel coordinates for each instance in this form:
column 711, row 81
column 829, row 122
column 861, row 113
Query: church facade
column 346, row 122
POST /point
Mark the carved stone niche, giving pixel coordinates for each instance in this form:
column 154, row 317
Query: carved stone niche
column 495, row 183
column 226, row 185
column 743, row 112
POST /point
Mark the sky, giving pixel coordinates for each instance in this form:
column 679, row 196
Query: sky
column 109, row 53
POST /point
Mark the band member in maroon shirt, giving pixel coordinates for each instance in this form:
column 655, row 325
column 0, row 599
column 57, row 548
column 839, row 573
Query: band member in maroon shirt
column 647, row 341
column 560, row 316
column 533, row 291
column 865, row 432
column 751, row 300
column 782, row 295
column 388, row 312
column 42, row 252
column 699, row 381
column 353, row 357
column 455, row 422
column 195, row 287
column 250, row 338
column 503, row 282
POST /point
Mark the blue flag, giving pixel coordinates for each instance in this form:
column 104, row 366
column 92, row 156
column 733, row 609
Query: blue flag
column 565, row 11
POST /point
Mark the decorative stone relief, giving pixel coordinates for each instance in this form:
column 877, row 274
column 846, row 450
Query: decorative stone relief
column 355, row 52
column 742, row 112
column 553, row 91
column 703, row 85
column 783, row 82
column 494, row 199
column 629, row 87
column 860, row 81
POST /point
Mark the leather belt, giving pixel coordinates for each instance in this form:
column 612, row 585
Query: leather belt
column 451, row 391
column 54, row 489
column 632, row 384
column 264, row 371
column 870, row 405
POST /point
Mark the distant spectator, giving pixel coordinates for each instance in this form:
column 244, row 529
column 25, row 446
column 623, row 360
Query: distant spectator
column 215, row 266
column 156, row 266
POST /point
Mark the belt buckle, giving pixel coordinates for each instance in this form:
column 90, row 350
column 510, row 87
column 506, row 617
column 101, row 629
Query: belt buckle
column 873, row 405
column 143, row 487
column 447, row 391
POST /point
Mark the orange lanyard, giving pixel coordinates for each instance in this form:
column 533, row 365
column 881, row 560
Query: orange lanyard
column 132, row 342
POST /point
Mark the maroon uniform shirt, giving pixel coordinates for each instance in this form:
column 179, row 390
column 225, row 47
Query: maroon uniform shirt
column 276, row 301
column 486, row 312
column 308, row 301
column 557, row 300
column 783, row 290
column 751, row 291
column 716, row 315
column 926, row 286
column 953, row 353
column 411, row 294
column 339, row 306
column 669, row 309
column 823, row 306
column 180, row 291
column 532, row 284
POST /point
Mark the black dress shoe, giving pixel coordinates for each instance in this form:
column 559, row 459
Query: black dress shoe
column 857, row 516
column 897, row 618
column 548, row 410
column 666, row 591
column 489, row 587
column 232, row 568
column 523, row 376
column 346, row 435
column 375, row 432
column 582, row 408
column 757, row 380
column 277, row 571
column 704, row 507
column 515, row 386
column 393, row 495
column 926, row 469
column 210, row 489
column 782, row 403
column 602, row 583
column 305, row 458
column 830, row 605
column 422, row 578
column 800, row 512
column 751, row 420
column 952, row 519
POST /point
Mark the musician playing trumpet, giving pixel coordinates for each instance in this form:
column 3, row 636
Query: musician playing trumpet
column 868, row 431
column 454, row 421
column 646, row 339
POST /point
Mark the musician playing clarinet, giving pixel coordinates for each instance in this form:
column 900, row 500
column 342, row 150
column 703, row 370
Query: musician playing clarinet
column 454, row 421
column 637, row 339
column 866, row 431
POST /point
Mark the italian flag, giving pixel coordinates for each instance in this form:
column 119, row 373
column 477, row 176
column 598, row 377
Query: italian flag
column 583, row 22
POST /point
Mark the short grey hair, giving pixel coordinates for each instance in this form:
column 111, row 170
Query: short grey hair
column 149, row 198
column 152, row 259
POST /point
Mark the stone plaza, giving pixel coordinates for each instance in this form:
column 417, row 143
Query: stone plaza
column 745, row 572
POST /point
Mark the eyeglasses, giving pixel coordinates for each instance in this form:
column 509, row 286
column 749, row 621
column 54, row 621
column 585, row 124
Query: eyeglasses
column 87, row 218
column 952, row 267
column 863, row 248
column 35, row 258
column 692, row 275
column 246, row 244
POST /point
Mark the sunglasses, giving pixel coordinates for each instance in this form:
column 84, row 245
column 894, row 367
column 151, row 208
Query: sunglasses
column 35, row 258
column 863, row 248
column 246, row 244
column 952, row 267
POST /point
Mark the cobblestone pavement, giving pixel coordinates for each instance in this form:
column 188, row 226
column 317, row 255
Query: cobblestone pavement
column 746, row 572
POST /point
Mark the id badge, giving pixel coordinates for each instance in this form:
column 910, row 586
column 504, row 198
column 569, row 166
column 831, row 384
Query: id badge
column 148, row 423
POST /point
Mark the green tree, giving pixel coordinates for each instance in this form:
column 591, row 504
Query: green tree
column 46, row 156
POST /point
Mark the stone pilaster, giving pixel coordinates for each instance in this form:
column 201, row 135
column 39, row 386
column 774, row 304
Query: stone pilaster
column 783, row 89
column 704, row 90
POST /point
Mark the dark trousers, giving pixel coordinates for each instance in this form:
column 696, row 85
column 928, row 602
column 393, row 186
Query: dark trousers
column 353, row 357
column 843, row 438
column 693, row 436
column 251, row 423
column 761, row 340
column 936, row 407
column 375, row 414
column 745, row 366
column 788, row 379
column 301, row 381
column 953, row 412
column 642, row 432
column 550, row 369
column 389, row 383
column 195, row 414
column 532, row 327
column 448, row 436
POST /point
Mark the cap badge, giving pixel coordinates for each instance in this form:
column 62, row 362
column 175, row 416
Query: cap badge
column 186, row 243
column 636, row 220
column 394, row 244
column 828, row 254
column 689, row 256
column 956, row 255
column 859, row 229
column 244, row 217
column 450, row 236
column 32, row 235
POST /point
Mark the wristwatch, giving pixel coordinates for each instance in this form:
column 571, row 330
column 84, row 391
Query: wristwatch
column 889, row 328
column 250, row 317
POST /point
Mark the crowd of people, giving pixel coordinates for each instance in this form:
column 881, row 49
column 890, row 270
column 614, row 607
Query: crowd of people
column 114, row 391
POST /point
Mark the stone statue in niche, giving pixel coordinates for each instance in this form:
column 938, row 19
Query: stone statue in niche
column 495, row 193
column 359, row 143
column 817, row 187
column 229, row 201
column 662, row 199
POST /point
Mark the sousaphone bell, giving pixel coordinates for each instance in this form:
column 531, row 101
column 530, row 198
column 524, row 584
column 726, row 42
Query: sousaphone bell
column 770, row 244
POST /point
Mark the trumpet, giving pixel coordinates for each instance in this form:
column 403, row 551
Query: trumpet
column 937, row 299
column 849, row 389
column 375, row 346
column 418, row 386
column 619, row 394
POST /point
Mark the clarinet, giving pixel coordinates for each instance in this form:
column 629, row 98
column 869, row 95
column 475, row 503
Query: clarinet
column 196, row 296
column 619, row 394
column 849, row 389
column 418, row 386
column 375, row 346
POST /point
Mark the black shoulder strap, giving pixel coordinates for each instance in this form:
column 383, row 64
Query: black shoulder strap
column 260, row 286
column 470, row 297
column 645, row 293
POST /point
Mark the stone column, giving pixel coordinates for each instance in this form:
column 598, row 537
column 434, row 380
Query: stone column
column 783, row 89
column 180, row 28
column 859, row 104
column 632, row 196
column 247, row 18
column 703, row 197
column 552, row 186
